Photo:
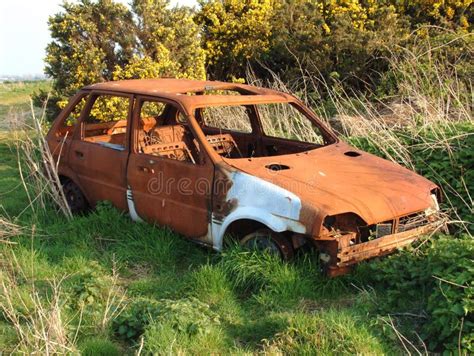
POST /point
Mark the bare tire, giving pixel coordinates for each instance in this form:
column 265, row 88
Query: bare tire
column 269, row 241
column 75, row 198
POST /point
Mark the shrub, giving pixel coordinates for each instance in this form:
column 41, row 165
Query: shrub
column 234, row 31
column 94, row 41
column 132, row 322
column 450, row 164
column 347, row 40
column 435, row 280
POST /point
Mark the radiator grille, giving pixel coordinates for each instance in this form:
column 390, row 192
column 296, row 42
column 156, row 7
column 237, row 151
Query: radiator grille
column 412, row 221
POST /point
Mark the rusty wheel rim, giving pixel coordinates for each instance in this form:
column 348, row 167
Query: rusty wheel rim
column 74, row 197
column 261, row 242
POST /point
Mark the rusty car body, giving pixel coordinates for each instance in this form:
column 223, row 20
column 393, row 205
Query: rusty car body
column 213, row 159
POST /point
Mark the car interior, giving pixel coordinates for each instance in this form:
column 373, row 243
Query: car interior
column 167, row 134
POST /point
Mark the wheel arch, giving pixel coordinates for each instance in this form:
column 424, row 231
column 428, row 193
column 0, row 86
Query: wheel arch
column 251, row 217
column 65, row 175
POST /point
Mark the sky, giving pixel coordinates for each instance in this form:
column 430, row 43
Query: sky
column 24, row 33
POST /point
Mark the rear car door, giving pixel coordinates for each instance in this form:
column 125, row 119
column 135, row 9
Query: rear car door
column 100, row 148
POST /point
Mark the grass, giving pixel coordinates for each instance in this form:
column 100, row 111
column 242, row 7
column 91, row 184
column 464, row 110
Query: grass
column 101, row 284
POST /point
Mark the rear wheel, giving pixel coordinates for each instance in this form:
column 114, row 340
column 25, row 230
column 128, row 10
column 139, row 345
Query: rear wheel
column 266, row 240
column 75, row 198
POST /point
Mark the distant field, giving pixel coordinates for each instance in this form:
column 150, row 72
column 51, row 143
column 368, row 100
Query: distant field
column 15, row 95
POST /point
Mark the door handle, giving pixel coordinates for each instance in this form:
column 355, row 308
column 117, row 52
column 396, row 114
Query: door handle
column 146, row 169
column 79, row 154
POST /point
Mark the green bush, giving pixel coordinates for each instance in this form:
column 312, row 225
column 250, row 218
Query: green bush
column 436, row 280
column 450, row 164
column 131, row 323
column 88, row 285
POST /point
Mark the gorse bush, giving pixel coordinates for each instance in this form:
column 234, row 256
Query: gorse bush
column 350, row 41
column 94, row 41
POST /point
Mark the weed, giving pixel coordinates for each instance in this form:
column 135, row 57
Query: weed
column 188, row 316
column 432, row 283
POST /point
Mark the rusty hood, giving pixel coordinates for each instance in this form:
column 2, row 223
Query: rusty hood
column 339, row 179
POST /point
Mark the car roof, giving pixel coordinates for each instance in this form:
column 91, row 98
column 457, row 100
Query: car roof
column 182, row 90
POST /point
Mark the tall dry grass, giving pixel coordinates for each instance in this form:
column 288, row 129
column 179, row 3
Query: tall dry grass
column 37, row 167
column 8, row 229
column 35, row 313
column 39, row 311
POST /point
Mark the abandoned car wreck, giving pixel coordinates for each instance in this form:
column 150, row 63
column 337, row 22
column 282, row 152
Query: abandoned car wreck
column 214, row 159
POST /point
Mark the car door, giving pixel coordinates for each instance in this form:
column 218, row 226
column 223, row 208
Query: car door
column 169, row 178
column 100, row 148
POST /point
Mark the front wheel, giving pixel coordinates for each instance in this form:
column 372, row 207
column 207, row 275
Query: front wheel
column 266, row 240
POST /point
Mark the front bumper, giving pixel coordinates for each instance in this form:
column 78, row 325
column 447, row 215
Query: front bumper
column 353, row 254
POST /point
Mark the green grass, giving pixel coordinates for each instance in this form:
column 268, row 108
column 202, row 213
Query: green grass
column 128, row 285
